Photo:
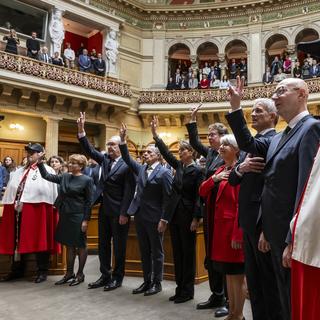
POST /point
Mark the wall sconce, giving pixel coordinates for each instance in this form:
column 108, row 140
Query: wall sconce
column 16, row 126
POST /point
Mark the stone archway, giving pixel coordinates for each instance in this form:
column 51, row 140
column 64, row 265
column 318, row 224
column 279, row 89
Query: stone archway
column 178, row 58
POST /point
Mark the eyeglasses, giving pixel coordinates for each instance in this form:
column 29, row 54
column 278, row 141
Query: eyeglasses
column 281, row 90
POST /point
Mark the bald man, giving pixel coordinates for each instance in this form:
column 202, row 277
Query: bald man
column 289, row 157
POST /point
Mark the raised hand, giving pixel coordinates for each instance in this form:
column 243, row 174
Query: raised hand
column 123, row 132
column 41, row 156
column 236, row 93
column 81, row 121
column 154, row 124
column 194, row 112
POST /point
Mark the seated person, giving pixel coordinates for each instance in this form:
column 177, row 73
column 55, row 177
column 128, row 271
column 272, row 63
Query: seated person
column 279, row 76
column 56, row 60
column 204, row 83
column 44, row 55
column 267, row 77
column 224, row 84
column 215, row 82
column 69, row 56
column 171, row 85
column 193, row 82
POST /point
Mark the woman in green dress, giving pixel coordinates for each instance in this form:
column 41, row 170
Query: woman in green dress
column 74, row 205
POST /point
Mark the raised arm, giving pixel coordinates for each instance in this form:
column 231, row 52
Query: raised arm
column 48, row 176
column 164, row 150
column 132, row 164
column 193, row 133
column 84, row 142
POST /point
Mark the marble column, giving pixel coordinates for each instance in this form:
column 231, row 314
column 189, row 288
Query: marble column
column 158, row 75
column 52, row 136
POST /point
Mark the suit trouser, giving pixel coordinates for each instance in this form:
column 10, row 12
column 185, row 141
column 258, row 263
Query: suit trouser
column 261, row 280
column 283, row 278
column 42, row 259
column 111, row 232
column 184, row 255
column 151, row 249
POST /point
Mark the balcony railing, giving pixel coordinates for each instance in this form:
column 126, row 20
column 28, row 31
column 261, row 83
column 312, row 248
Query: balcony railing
column 48, row 71
column 213, row 95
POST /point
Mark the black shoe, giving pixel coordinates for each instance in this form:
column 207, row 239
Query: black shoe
column 172, row 298
column 77, row 280
column 143, row 288
column 11, row 276
column 154, row 289
column 101, row 282
column 221, row 312
column 66, row 278
column 40, row 278
column 113, row 284
column 214, row 301
column 182, row 299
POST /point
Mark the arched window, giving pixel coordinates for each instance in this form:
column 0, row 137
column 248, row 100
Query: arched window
column 179, row 58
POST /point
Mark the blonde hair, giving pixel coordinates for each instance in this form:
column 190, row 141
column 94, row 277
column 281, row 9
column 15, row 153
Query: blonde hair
column 80, row 159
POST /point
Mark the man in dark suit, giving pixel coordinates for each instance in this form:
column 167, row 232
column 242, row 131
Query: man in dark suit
column 99, row 66
column 149, row 206
column 44, row 55
column 213, row 162
column 84, row 61
column 289, row 157
column 33, row 46
column 267, row 77
column 261, row 280
column 118, row 190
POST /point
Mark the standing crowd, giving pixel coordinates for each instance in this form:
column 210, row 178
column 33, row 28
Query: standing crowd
column 249, row 196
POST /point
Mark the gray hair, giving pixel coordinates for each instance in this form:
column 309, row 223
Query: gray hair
column 268, row 104
column 154, row 149
column 115, row 139
column 229, row 140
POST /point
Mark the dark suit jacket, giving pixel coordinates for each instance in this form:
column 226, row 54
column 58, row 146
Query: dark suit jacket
column 185, row 187
column 93, row 172
column 152, row 193
column 99, row 66
column 213, row 160
column 118, row 183
column 268, row 79
column 251, row 185
column 287, row 168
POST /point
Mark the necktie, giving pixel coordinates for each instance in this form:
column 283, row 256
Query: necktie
column 149, row 170
column 284, row 135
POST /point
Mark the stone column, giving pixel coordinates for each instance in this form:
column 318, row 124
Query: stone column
column 255, row 66
column 52, row 135
column 158, row 75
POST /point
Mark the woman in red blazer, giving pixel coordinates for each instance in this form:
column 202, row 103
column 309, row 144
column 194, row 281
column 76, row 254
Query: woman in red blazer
column 226, row 247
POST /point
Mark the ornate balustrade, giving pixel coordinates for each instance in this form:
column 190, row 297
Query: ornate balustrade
column 214, row 95
column 47, row 71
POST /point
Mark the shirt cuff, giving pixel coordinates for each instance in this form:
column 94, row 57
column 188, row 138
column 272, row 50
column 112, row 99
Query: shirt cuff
column 163, row 220
column 238, row 173
column 81, row 135
column 231, row 111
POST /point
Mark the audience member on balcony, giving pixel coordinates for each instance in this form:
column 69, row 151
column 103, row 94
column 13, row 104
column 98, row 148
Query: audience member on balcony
column 184, row 83
column 306, row 70
column 33, row 46
column 99, row 66
column 56, row 60
column 84, row 61
column 279, row 76
column 93, row 58
column 217, row 69
column 69, row 56
column 204, row 83
column 193, row 82
column 80, row 50
column 275, row 65
column 243, row 68
column 215, row 82
column 267, row 77
column 224, row 83
column 178, row 79
column 314, row 69
column 233, row 69
column 297, row 71
column 190, row 73
column 171, row 84
column 12, row 42
column 309, row 59
column 206, row 69
column 287, row 65
column 44, row 56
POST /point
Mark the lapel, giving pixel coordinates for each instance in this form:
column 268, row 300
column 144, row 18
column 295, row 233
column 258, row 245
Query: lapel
column 155, row 172
column 116, row 167
column 144, row 175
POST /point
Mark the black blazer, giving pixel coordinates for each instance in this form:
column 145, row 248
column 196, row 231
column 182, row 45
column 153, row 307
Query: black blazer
column 118, row 183
column 185, row 186
column 251, row 185
column 287, row 168
column 99, row 65
column 213, row 159
column 152, row 195
column 74, row 195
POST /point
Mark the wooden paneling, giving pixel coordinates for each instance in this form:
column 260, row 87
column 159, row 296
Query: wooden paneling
column 13, row 149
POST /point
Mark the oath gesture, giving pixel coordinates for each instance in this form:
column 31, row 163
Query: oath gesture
column 154, row 124
column 194, row 112
column 123, row 132
column 236, row 93
column 81, row 120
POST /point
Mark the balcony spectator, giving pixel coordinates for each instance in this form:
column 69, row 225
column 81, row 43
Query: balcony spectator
column 267, row 77
column 314, row 69
column 279, row 76
column 217, row 70
column 233, row 69
column 275, row 65
column 243, row 68
column 99, row 66
column 178, row 79
column 297, row 71
column 56, row 60
column 69, row 56
column 206, row 69
column 306, row 70
column 93, row 57
column 80, row 50
column 193, row 82
column 84, row 61
column 287, row 65
column 184, row 83
column 309, row 59
column 33, row 46
column 190, row 72
column 171, row 85
column 44, row 56
column 215, row 82
column 12, row 42
column 224, row 83
column 204, row 83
